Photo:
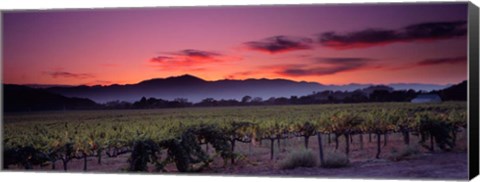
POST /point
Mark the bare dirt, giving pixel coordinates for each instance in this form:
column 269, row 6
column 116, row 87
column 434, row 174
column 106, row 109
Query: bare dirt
column 425, row 166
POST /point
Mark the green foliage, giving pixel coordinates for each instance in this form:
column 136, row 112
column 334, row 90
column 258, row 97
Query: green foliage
column 185, row 151
column 143, row 153
column 436, row 126
column 24, row 156
column 181, row 132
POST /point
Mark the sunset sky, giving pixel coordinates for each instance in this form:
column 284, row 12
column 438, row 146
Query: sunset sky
column 329, row 44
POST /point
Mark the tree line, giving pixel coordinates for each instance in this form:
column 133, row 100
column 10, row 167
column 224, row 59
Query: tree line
column 22, row 98
column 454, row 93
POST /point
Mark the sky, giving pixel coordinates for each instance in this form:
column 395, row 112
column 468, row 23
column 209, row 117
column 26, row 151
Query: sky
column 329, row 44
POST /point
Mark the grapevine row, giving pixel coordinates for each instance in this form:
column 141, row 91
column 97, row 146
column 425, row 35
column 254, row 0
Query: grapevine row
column 146, row 134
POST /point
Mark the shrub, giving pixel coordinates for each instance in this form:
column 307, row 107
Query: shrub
column 300, row 158
column 335, row 160
column 408, row 151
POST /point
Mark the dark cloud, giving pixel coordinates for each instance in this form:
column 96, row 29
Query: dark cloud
column 278, row 44
column 436, row 30
column 327, row 66
column 197, row 53
column 63, row 74
column 187, row 55
column 238, row 75
column 451, row 60
column 189, row 58
column 431, row 62
column 160, row 59
column 374, row 37
column 346, row 60
column 357, row 39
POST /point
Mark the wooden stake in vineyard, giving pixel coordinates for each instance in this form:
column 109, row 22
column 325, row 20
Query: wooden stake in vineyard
column 320, row 148
column 378, row 146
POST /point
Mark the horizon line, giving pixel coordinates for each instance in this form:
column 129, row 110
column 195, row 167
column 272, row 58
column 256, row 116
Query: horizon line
column 183, row 75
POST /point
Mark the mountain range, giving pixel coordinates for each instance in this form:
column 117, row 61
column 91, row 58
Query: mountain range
column 23, row 98
column 196, row 89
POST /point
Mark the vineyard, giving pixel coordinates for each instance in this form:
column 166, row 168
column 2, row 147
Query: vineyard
column 190, row 138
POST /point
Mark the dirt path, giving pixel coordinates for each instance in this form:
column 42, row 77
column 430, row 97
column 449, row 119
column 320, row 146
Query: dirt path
column 425, row 166
column 440, row 165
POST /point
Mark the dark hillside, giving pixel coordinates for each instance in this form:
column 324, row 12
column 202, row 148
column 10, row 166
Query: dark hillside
column 18, row 98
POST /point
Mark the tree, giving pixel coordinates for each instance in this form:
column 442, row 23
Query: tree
column 257, row 100
column 208, row 102
column 246, row 99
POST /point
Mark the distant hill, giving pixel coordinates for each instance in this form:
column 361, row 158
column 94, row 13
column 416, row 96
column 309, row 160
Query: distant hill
column 192, row 88
column 417, row 86
column 195, row 89
column 369, row 90
column 44, row 85
column 455, row 92
column 22, row 98
column 210, row 93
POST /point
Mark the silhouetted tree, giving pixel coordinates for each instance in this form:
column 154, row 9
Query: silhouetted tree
column 246, row 99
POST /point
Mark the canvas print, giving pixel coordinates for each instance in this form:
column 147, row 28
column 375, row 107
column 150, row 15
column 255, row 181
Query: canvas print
column 332, row 91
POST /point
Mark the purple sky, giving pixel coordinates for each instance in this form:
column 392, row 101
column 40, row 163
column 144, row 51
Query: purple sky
column 389, row 43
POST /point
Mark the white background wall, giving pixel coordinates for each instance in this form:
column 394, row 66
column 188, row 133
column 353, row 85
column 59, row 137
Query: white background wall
column 73, row 177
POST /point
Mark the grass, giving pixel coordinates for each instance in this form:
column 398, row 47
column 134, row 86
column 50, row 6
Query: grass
column 335, row 160
column 299, row 158
column 404, row 153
